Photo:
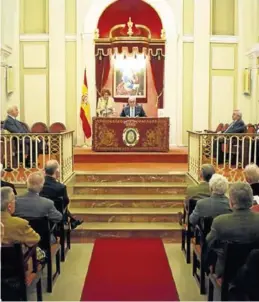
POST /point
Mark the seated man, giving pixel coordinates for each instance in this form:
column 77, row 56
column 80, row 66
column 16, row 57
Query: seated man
column 239, row 226
column 202, row 189
column 15, row 229
column 237, row 126
column 12, row 125
column 214, row 205
column 252, row 177
column 6, row 183
column 57, row 191
column 32, row 204
column 132, row 109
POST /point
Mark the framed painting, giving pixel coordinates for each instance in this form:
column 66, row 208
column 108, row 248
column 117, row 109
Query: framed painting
column 130, row 79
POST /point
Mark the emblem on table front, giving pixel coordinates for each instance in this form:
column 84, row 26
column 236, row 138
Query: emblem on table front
column 130, row 137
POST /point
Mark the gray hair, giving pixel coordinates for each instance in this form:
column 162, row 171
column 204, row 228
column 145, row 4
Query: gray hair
column 241, row 195
column 252, row 173
column 207, row 171
column 11, row 109
column 6, row 197
column 238, row 112
column 218, row 184
column 51, row 166
column 35, row 182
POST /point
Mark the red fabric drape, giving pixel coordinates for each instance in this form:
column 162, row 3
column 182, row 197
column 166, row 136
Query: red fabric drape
column 102, row 67
column 157, row 66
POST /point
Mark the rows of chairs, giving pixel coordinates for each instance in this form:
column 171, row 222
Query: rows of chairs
column 250, row 128
column 194, row 242
column 21, row 271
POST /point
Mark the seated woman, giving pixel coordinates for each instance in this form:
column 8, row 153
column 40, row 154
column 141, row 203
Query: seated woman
column 105, row 106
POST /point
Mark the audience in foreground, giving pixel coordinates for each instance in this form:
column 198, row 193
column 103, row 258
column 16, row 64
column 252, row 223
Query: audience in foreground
column 214, row 205
column 32, row 205
column 57, row 191
column 241, row 225
column 6, row 183
column 15, row 229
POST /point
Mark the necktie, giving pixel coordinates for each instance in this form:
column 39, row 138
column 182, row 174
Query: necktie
column 131, row 112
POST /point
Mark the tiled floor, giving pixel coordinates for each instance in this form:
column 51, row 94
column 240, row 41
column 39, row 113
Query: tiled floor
column 69, row 285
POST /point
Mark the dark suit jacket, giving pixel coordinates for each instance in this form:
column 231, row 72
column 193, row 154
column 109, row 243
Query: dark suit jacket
column 55, row 191
column 139, row 111
column 8, row 184
column 255, row 188
column 210, row 207
column 32, row 205
column 14, row 126
column 240, row 226
column 236, row 127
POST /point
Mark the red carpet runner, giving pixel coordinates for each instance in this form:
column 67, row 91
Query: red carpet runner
column 129, row 270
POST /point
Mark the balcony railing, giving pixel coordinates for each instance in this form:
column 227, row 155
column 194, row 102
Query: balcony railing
column 228, row 153
column 22, row 154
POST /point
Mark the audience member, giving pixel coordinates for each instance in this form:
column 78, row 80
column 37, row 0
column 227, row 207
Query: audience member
column 252, row 177
column 2, row 232
column 57, row 191
column 202, row 189
column 214, row 205
column 12, row 125
column 15, row 229
column 240, row 226
column 6, row 183
column 32, row 205
column 237, row 126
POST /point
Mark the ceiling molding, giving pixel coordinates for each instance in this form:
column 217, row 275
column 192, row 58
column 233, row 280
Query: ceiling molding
column 43, row 38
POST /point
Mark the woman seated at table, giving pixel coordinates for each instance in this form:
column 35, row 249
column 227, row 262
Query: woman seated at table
column 105, row 106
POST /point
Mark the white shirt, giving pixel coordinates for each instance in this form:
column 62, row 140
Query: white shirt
column 132, row 111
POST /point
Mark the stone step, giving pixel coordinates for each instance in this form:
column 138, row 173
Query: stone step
column 129, row 188
column 127, row 201
column 90, row 231
column 130, row 177
column 127, row 214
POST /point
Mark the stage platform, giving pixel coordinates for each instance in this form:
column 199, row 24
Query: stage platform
column 175, row 155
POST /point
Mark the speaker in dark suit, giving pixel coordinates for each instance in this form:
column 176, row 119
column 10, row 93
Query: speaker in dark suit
column 132, row 109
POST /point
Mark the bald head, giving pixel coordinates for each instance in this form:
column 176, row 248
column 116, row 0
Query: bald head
column 35, row 182
column 13, row 111
column 52, row 168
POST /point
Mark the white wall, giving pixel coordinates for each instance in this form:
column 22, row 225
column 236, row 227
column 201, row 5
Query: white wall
column 9, row 49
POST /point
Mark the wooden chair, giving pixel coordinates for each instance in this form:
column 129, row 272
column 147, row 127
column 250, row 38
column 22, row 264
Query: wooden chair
column 199, row 251
column 57, row 128
column 235, row 255
column 187, row 232
column 63, row 229
column 39, row 127
column 16, row 278
column 42, row 227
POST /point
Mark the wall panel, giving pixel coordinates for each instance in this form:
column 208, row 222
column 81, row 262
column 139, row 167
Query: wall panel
column 35, row 98
column 188, row 15
column 71, row 93
column 223, row 17
column 187, row 112
column 222, row 99
column 70, row 15
column 34, row 16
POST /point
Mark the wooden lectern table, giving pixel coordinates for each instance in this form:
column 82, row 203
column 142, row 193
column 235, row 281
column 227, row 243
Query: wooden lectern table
column 130, row 134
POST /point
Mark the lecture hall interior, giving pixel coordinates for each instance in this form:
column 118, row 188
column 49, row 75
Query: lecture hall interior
column 129, row 150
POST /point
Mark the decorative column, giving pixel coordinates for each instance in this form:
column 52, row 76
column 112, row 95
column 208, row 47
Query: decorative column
column 57, row 70
column 201, row 64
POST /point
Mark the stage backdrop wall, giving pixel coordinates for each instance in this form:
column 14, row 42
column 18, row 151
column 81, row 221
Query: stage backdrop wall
column 48, row 56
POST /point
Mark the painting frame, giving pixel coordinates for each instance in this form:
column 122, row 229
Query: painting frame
column 129, row 81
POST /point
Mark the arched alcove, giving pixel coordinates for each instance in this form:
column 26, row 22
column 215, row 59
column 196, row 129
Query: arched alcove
column 173, row 57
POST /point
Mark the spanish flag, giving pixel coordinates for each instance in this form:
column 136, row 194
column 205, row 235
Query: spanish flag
column 85, row 110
